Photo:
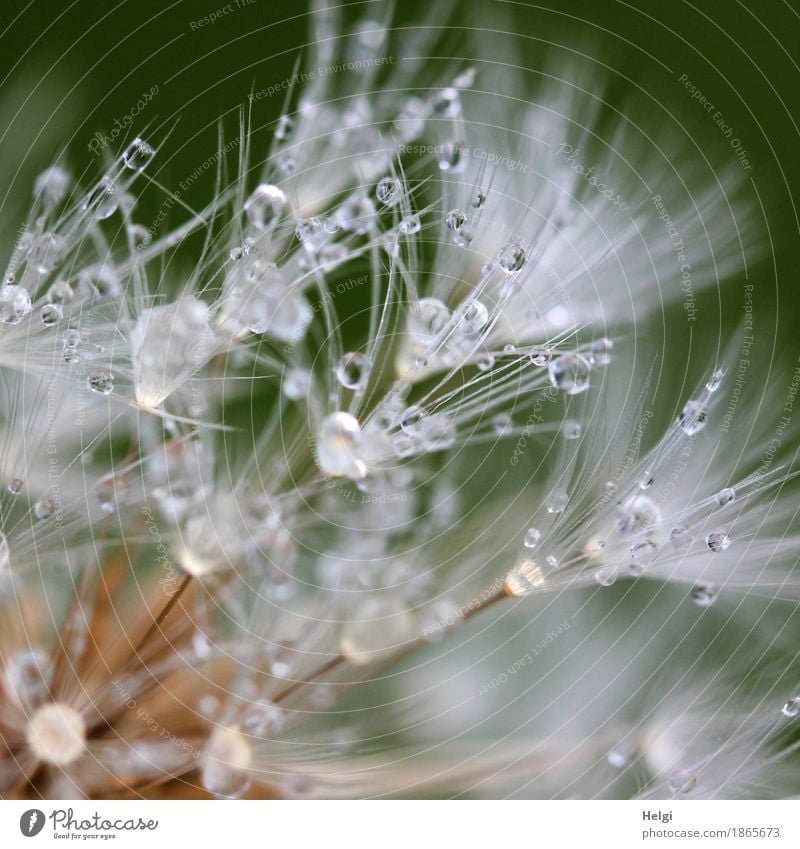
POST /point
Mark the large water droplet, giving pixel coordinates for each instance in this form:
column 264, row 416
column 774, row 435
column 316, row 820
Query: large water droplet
column 703, row 594
column 265, row 206
column 693, row 417
column 792, row 708
column 47, row 251
column 138, row 154
column 474, row 316
column 352, row 370
column 451, row 157
column 15, row 304
column 512, row 258
column 726, row 496
column 338, row 440
column 388, row 191
column 532, row 537
column 296, row 384
column 570, row 373
column 51, row 314
column 718, row 540
column 103, row 199
column 101, row 381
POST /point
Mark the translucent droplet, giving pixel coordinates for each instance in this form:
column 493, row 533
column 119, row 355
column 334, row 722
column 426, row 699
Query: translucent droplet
column 103, row 199
column 451, row 157
column 605, row 577
column 455, row 220
column 703, row 594
column 338, row 439
column 447, row 103
column 532, row 537
column 28, row 675
column 693, row 417
column 352, row 370
column 478, row 199
column 718, row 540
column 72, row 338
column 15, row 486
column 296, row 384
column 47, row 251
column 679, row 536
column 646, row 480
column 138, row 154
column 726, row 496
column 51, row 314
column 681, row 783
column 539, row 357
column 637, row 516
column 644, row 550
column 357, row 214
column 101, row 381
column 557, row 502
column 501, row 424
column 265, row 206
column 485, row 361
column 52, row 185
column 307, row 231
column 15, row 304
column 284, row 128
column 388, row 191
column 225, row 761
column 44, row 507
column 474, row 317
column 410, row 120
column 619, row 757
column 236, row 253
column 59, row 292
column 609, row 487
column 792, row 708
column 512, row 258
column 410, row 225
column 552, row 561
column 715, row 381
column 570, row 373
column 571, row 429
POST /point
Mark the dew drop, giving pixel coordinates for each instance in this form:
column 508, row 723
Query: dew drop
column 681, row 783
column 44, row 507
column 101, row 381
column 718, row 541
column 501, row 424
column 637, row 516
column 410, row 225
column 47, row 251
column 601, row 351
column 679, row 536
column 557, row 502
column 646, row 480
column 693, row 417
column 478, row 199
column 571, row 429
column 644, row 550
column 138, row 154
column 50, row 314
column 52, row 185
column 284, row 128
column 59, row 292
column 451, row 157
column 72, row 338
column 474, row 317
column 15, row 486
column 103, row 199
column 792, row 707
column 570, row 373
column 357, row 214
column 296, row 384
column 265, row 206
column 352, row 370
column 726, row 496
column 455, row 220
column 512, row 258
column 15, row 304
column 715, row 381
column 388, row 191
column 703, row 594
column 532, row 538
column 605, row 577
column 338, row 439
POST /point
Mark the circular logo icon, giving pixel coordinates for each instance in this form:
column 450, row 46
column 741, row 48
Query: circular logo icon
column 31, row 822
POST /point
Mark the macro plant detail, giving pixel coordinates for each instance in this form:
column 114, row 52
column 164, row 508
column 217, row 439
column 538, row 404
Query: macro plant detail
column 288, row 483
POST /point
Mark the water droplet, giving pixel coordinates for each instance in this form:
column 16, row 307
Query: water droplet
column 103, row 199
column 715, row 381
column 236, row 253
column 44, row 507
column 637, row 516
column 455, row 220
column 646, row 480
column 225, row 761
column 571, row 429
column 410, row 225
column 718, row 540
column 264, row 719
column 681, row 783
column 447, row 103
column 693, row 417
column 338, row 439
column 601, row 351
column 502, row 424
column 28, row 674
column 265, row 206
column 512, row 258
column 557, row 502
column 101, row 381
column 15, row 486
column 609, row 487
column 485, row 361
column 59, row 292
column 478, row 199
column 72, row 338
column 703, row 594
column 540, row 357
column 451, row 157
column 792, row 707
column 552, row 561
column 52, row 185
column 111, row 492
column 307, row 230
column 388, row 191
column 605, row 577
column 532, row 538
column 473, row 317
column 352, row 370
column 570, row 373
column 15, row 304
column 357, row 214
column 284, row 128
column 619, row 757
column 679, row 536
column 296, row 384
column 644, row 550
column 138, row 154
column 47, row 251
column 50, row 314
column 726, row 496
